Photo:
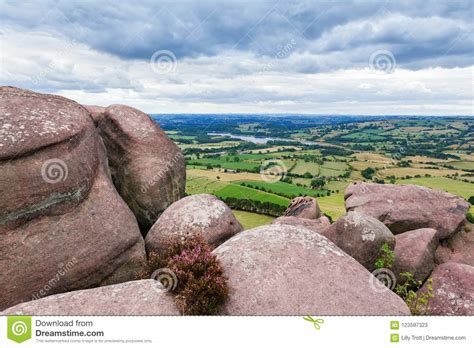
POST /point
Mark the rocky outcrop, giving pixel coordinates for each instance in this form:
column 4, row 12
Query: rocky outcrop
column 453, row 290
column 141, row 297
column 96, row 112
column 407, row 207
column 290, row 270
column 303, row 207
column 361, row 236
column 458, row 248
column 414, row 253
column 318, row 225
column 202, row 215
column 62, row 224
column 147, row 168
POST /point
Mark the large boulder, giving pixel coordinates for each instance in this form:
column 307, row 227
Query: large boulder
column 457, row 248
column 414, row 253
column 148, row 169
column 202, row 215
column 63, row 225
column 361, row 236
column 303, row 207
column 140, row 297
column 318, row 225
column 453, row 290
column 96, row 112
column 290, row 270
column 407, row 207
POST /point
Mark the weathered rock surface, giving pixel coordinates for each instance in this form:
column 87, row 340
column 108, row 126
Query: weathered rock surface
column 303, row 207
column 407, row 207
column 147, row 168
column 453, row 289
column 63, row 225
column 361, row 236
column 41, row 139
column 318, row 225
column 414, row 253
column 290, row 270
column 457, row 248
column 96, row 112
column 141, row 297
column 202, row 214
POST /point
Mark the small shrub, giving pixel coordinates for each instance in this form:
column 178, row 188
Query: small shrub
column 470, row 217
column 386, row 259
column 202, row 286
column 417, row 302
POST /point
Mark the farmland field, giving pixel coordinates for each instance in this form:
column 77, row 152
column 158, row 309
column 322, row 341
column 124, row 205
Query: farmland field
column 282, row 188
column 251, row 220
column 314, row 158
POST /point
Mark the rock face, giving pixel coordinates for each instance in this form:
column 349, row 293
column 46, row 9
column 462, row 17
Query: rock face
column 361, row 236
column 62, row 224
column 407, row 207
column 96, row 112
column 414, row 253
column 318, row 225
column 289, row 270
column 453, row 289
column 202, row 214
column 303, row 207
column 147, row 168
column 458, row 248
column 141, row 297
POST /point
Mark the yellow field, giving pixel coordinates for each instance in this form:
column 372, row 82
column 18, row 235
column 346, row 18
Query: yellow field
column 213, row 174
column 216, row 146
column 400, row 172
column 464, row 156
column 361, row 165
column 274, row 149
column 414, row 129
column 373, row 157
column 424, row 159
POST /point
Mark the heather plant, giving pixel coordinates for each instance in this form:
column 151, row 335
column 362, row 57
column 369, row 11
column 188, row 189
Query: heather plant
column 202, row 286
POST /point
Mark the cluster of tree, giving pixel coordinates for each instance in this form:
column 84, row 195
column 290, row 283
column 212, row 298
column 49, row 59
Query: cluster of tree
column 255, row 206
column 318, row 182
column 368, row 173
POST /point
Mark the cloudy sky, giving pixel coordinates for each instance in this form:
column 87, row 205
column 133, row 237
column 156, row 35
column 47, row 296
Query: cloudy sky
column 317, row 57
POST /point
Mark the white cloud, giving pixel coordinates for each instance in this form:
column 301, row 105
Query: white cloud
column 233, row 81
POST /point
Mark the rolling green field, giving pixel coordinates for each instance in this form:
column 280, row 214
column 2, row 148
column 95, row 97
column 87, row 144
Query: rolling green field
column 250, row 220
column 431, row 153
column 455, row 187
column 241, row 192
column 282, row 188
column 303, row 167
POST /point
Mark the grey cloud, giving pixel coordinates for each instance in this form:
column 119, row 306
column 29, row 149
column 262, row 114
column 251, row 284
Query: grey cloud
column 135, row 30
